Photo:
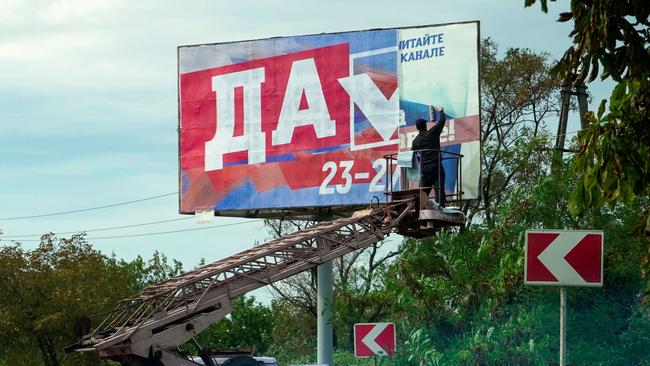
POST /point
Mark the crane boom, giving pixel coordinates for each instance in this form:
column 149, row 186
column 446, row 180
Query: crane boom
column 153, row 323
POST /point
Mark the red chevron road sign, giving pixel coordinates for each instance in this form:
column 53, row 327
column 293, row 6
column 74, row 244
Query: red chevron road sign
column 372, row 339
column 564, row 258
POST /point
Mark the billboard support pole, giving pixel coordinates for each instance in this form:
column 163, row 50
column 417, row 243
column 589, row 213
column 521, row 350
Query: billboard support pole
column 562, row 326
column 325, row 330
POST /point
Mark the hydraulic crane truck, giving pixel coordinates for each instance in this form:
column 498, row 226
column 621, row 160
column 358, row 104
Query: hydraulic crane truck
column 149, row 328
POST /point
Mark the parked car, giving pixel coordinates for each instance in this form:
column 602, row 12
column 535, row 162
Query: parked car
column 240, row 361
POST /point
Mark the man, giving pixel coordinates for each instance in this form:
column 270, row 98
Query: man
column 432, row 173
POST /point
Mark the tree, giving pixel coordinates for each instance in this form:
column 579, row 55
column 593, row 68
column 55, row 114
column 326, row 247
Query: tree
column 144, row 273
column 294, row 336
column 611, row 39
column 44, row 290
column 460, row 298
column 517, row 97
column 357, row 286
column 613, row 157
column 249, row 325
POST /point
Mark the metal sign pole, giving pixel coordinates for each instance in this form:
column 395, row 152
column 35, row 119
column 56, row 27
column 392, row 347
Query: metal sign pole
column 562, row 326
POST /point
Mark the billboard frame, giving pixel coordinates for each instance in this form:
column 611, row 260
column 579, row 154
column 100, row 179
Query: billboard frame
column 310, row 212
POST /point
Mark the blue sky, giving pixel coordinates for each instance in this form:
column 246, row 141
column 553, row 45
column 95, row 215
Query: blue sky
column 88, row 102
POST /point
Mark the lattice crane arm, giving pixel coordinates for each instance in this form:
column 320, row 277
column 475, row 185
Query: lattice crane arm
column 164, row 316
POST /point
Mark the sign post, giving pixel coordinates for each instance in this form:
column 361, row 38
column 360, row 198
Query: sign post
column 562, row 326
column 564, row 258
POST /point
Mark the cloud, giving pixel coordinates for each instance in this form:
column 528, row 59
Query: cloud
column 43, row 47
column 34, row 14
column 64, row 11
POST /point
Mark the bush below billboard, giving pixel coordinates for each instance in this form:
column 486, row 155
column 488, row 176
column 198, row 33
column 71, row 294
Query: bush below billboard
column 305, row 121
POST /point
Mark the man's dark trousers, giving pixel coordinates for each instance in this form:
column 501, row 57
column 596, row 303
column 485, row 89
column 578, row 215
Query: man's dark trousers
column 433, row 175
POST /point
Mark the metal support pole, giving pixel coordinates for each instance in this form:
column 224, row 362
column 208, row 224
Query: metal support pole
column 325, row 330
column 562, row 326
column 581, row 92
column 564, row 117
column 561, row 127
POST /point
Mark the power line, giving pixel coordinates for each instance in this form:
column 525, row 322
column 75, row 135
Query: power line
column 100, row 229
column 88, row 209
column 161, row 232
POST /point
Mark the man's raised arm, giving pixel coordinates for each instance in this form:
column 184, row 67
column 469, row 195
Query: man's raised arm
column 437, row 128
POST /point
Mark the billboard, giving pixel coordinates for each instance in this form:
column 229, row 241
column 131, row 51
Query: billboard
column 305, row 121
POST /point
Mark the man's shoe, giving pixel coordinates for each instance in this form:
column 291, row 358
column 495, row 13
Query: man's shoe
column 431, row 204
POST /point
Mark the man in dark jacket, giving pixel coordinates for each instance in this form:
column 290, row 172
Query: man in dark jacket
column 432, row 173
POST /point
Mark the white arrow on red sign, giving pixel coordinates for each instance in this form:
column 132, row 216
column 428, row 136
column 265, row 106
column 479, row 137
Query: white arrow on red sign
column 564, row 258
column 374, row 339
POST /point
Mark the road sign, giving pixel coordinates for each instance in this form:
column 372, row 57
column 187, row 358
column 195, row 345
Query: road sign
column 374, row 339
column 564, row 258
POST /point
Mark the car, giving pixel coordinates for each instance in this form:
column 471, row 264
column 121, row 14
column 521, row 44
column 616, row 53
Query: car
column 239, row 361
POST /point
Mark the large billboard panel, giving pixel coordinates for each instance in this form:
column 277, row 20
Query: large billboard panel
column 305, row 121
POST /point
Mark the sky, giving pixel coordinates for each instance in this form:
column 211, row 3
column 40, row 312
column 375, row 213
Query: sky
column 88, row 105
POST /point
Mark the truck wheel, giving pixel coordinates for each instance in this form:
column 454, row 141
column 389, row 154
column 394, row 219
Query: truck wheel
column 241, row 361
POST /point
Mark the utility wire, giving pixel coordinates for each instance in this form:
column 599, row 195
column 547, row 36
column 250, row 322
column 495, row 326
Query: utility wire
column 161, row 232
column 100, row 229
column 88, row 209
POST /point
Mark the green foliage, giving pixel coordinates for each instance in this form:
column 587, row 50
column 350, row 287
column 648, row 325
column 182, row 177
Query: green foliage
column 607, row 34
column 44, row 290
column 294, row 333
column 612, row 38
column 461, row 295
column 340, row 357
column 418, row 349
column 347, row 358
column 249, row 325
column 362, row 298
column 614, row 167
column 157, row 269
column 517, row 96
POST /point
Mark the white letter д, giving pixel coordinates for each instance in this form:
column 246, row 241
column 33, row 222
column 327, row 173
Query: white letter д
column 224, row 141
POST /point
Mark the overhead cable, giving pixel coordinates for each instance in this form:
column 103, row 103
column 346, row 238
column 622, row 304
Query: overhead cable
column 159, row 232
column 87, row 209
column 100, row 229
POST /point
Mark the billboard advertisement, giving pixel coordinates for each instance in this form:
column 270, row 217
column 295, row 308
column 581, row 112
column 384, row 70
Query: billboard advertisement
column 305, row 121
